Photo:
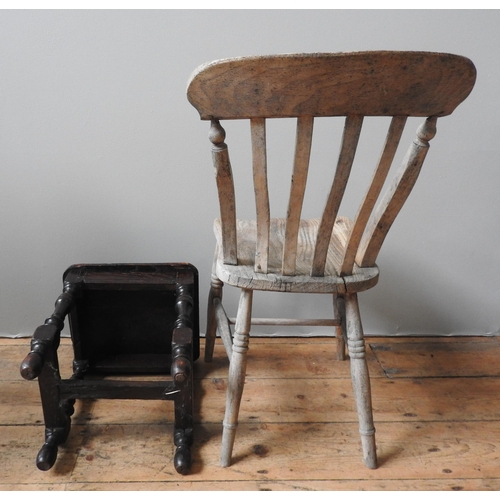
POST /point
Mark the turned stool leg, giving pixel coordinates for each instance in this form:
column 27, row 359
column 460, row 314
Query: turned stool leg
column 55, row 412
column 42, row 362
column 182, row 375
column 236, row 378
column 183, row 426
column 360, row 380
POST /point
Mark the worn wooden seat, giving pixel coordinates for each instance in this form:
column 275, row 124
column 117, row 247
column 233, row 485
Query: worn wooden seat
column 125, row 320
column 329, row 254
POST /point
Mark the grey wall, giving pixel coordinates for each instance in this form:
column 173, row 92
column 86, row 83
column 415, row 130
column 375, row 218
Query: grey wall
column 102, row 159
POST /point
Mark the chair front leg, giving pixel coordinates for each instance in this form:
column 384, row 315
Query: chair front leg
column 360, row 379
column 236, row 378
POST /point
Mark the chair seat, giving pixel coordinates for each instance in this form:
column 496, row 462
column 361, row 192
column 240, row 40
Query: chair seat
column 243, row 275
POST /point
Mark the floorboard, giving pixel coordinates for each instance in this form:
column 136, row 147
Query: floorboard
column 436, row 412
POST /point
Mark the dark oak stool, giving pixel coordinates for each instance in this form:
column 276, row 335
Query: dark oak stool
column 124, row 319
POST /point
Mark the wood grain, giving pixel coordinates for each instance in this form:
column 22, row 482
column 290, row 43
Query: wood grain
column 350, row 138
column 296, row 433
column 225, row 185
column 297, row 190
column 396, row 195
column 365, row 209
column 409, row 359
column 263, row 216
column 243, row 275
column 301, row 85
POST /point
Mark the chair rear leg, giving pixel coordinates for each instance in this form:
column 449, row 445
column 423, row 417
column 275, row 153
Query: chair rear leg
column 211, row 333
column 360, row 380
column 236, row 378
column 339, row 312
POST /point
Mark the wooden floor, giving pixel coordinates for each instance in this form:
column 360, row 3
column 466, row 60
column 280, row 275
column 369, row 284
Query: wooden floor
column 436, row 409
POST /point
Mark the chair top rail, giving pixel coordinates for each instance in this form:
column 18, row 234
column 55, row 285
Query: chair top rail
column 372, row 83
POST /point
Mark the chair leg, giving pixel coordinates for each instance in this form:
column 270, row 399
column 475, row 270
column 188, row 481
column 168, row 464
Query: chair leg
column 236, row 378
column 211, row 333
column 339, row 312
column 360, row 380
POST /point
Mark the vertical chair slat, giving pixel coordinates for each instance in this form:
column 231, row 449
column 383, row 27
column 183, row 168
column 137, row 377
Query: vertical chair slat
column 225, row 187
column 391, row 145
column 258, row 132
column 352, row 130
column 396, row 195
column 299, row 179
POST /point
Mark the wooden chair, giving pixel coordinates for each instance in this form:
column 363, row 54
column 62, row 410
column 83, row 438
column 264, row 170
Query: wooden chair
column 331, row 254
column 125, row 319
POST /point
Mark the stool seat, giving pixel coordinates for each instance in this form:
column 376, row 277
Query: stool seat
column 124, row 319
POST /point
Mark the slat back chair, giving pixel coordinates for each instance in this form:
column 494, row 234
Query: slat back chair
column 330, row 254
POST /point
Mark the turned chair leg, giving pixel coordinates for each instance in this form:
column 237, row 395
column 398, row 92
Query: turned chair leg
column 211, row 333
column 360, row 380
column 236, row 378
